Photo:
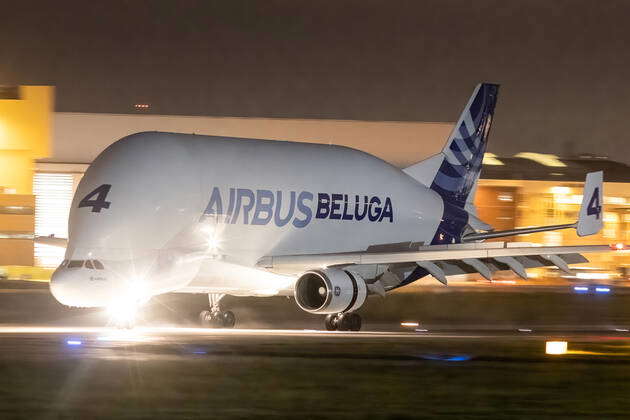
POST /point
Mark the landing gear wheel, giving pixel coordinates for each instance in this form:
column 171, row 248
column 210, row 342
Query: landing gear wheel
column 205, row 317
column 343, row 322
column 356, row 322
column 331, row 322
column 217, row 319
column 228, row 319
column 349, row 322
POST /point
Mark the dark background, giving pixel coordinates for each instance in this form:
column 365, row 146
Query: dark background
column 563, row 65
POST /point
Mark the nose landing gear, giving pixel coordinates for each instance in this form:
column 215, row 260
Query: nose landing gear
column 349, row 321
column 215, row 318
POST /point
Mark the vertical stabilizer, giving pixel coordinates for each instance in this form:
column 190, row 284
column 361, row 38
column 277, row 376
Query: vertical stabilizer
column 453, row 173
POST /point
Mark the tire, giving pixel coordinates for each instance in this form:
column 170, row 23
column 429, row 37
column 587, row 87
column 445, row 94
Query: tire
column 331, row 325
column 228, row 319
column 344, row 322
column 356, row 322
column 205, row 318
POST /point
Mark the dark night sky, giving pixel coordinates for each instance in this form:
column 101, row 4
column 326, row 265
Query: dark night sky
column 563, row 65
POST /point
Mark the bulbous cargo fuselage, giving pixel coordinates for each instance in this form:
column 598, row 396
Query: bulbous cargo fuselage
column 158, row 206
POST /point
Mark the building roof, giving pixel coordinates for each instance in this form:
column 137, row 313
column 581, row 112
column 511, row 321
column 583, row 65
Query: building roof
column 558, row 169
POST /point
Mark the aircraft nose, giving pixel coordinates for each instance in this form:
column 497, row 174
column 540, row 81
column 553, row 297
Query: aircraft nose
column 75, row 287
column 65, row 286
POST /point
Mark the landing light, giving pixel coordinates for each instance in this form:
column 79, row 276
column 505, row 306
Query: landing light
column 212, row 237
column 123, row 311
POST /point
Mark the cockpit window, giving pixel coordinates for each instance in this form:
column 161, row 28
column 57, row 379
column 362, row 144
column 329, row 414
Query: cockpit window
column 75, row 264
column 88, row 264
column 98, row 265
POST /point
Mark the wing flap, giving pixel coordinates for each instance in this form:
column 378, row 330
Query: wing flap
column 298, row 263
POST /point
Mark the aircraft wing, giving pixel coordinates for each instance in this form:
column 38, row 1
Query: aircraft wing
column 443, row 260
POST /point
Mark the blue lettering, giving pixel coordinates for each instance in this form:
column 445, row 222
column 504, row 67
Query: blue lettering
column 264, row 204
column 374, row 205
column 279, row 221
column 240, row 194
column 358, row 216
column 334, row 205
column 306, row 210
column 346, row 216
column 230, row 207
column 215, row 205
column 387, row 211
column 323, row 206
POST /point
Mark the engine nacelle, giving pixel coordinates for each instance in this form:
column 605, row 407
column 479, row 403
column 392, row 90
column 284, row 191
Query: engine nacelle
column 330, row 291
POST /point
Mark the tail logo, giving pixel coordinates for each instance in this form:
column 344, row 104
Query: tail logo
column 463, row 153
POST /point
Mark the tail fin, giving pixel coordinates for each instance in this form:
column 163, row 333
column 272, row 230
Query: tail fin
column 591, row 220
column 453, row 173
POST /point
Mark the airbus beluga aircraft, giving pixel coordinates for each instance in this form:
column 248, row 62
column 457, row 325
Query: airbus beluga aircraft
column 163, row 212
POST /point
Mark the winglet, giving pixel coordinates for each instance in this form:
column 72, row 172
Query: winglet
column 591, row 214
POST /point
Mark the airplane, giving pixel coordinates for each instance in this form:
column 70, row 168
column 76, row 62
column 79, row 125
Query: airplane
column 161, row 212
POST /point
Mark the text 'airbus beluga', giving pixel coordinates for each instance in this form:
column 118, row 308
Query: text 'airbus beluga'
column 164, row 212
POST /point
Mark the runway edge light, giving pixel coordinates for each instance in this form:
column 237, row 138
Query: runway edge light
column 556, row 347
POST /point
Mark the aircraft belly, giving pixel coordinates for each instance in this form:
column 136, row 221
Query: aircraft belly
column 216, row 276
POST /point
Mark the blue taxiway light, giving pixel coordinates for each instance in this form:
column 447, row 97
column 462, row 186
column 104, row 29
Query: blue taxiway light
column 447, row 357
column 580, row 289
column 602, row 289
column 74, row 342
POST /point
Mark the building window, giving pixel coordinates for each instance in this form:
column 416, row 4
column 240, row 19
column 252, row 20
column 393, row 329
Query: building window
column 53, row 197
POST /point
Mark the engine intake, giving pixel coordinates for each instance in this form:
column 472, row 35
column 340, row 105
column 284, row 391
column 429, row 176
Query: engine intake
column 330, row 291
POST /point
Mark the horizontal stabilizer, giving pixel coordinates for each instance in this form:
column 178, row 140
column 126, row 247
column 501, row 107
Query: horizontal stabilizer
column 52, row 241
column 589, row 223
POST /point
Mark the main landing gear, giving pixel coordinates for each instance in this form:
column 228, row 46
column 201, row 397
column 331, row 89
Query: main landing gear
column 349, row 321
column 215, row 318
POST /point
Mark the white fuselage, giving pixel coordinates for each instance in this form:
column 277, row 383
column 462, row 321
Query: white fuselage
column 196, row 213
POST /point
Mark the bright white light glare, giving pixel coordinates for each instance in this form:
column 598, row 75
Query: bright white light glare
column 503, row 281
column 527, row 330
column 409, row 324
column 74, row 342
column 556, row 347
column 561, row 190
column 123, row 311
column 602, row 289
column 593, row 276
column 213, row 243
column 212, row 236
column 580, row 288
column 421, row 330
column 621, row 329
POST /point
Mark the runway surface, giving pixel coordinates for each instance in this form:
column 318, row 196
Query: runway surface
column 60, row 363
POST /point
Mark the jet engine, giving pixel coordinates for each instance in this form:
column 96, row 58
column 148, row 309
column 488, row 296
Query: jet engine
column 330, row 291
